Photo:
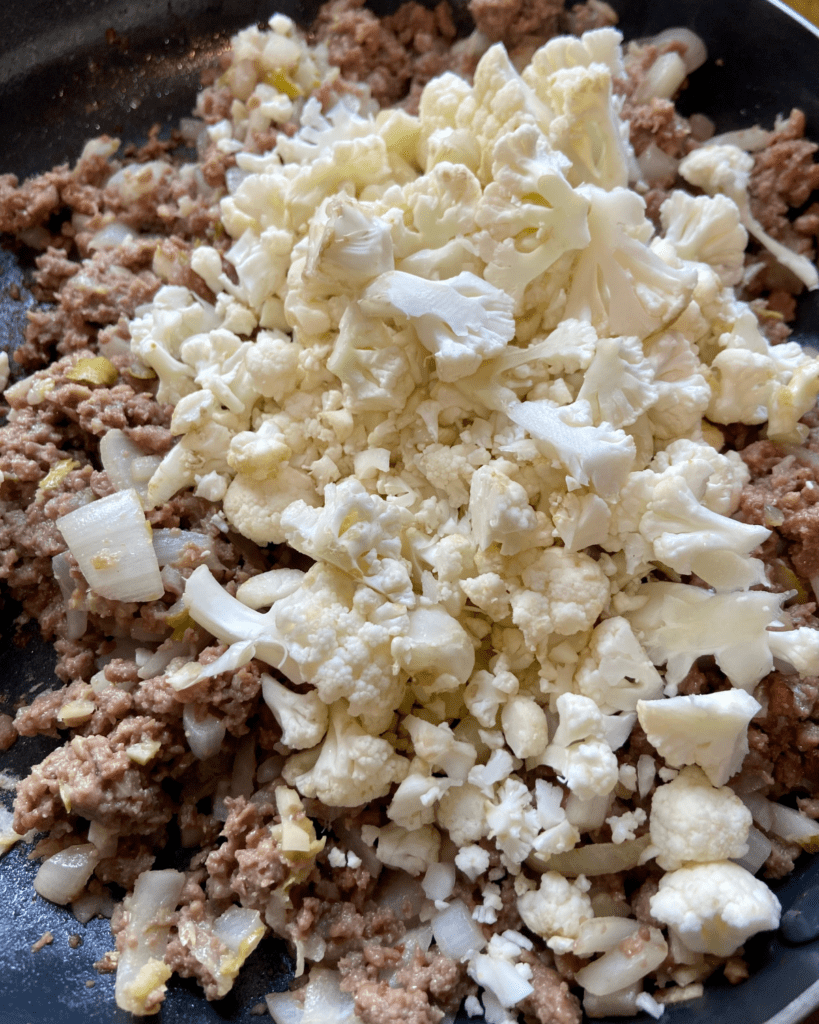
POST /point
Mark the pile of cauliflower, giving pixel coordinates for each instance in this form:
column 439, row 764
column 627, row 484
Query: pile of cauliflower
column 452, row 362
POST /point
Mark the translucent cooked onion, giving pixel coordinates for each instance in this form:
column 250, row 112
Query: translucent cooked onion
column 759, row 849
column 110, row 539
column 596, row 858
column 600, row 934
column 785, row 822
column 120, row 458
column 321, row 1001
column 111, row 235
column 456, row 933
column 752, row 140
column 64, row 875
column 161, row 659
column 76, row 617
column 622, row 1003
column 696, row 53
column 205, row 733
column 439, row 880
column 92, row 905
column 170, row 545
column 618, row 969
column 663, row 79
column 655, row 164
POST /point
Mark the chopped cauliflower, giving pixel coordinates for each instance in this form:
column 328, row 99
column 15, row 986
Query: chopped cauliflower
column 555, row 910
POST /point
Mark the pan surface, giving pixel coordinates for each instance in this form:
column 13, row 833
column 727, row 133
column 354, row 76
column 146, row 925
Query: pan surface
column 73, row 69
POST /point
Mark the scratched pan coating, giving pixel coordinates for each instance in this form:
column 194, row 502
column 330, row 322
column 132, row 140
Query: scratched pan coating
column 61, row 82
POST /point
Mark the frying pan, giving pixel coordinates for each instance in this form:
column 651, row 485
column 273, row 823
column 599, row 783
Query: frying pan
column 72, row 69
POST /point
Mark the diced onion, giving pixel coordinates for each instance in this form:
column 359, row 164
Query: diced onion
column 456, row 934
column 92, row 905
column 759, row 849
column 499, row 977
column 587, row 815
column 617, row 969
column 752, row 140
column 785, row 822
column 169, row 546
column 110, row 539
column 663, row 79
column 64, row 875
column 600, row 934
column 205, row 734
column 159, row 660
column 695, row 54
column 119, row 456
column 439, row 881
column 655, row 164
column 111, row 235
column 76, row 617
column 622, row 1003
column 596, row 858
column 285, row 1007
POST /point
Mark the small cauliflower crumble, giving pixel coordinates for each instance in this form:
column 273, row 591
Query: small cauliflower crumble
column 427, row 557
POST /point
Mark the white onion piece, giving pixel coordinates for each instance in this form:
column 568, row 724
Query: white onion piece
column 92, row 905
column 500, row 978
column 456, row 934
column 239, row 928
column 138, row 180
column 646, row 772
column 8, row 837
column 702, row 127
column 655, row 164
column 104, row 839
column 663, row 79
column 76, row 617
column 615, row 969
column 268, row 587
column 159, row 660
column 141, row 970
column 172, row 580
column 439, row 881
column 205, row 734
column 233, row 658
column 169, row 545
column 244, row 768
column 600, row 934
column 785, row 822
column 596, row 858
column 759, row 849
column 111, row 235
column 402, row 894
column 269, row 769
column 586, row 815
column 752, row 140
column 696, row 53
column 110, row 539
column 64, row 875
column 284, row 1007
column 351, row 838
column 118, row 454
column 622, row 1003
column 234, row 176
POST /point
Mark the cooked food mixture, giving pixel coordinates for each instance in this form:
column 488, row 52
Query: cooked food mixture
column 422, row 496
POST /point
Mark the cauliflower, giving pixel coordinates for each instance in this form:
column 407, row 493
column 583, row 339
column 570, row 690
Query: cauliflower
column 691, row 820
column 412, row 852
column 597, row 455
column 615, row 671
column 461, row 321
column 706, row 229
column 486, row 692
column 358, row 532
column 555, row 910
column 724, row 168
column 438, row 747
column 707, row 729
column 461, row 811
column 512, row 822
column 525, row 726
column 351, row 767
column 435, row 649
column 565, row 593
column 579, row 751
column 301, row 716
column 619, row 382
column 339, row 634
column 255, row 507
column 713, row 908
column 413, row 803
column 499, row 509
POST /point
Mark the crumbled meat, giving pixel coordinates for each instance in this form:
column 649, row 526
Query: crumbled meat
column 8, row 732
column 551, row 1002
column 377, row 1003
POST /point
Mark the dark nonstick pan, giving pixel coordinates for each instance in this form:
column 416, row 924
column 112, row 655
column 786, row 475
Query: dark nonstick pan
column 72, row 69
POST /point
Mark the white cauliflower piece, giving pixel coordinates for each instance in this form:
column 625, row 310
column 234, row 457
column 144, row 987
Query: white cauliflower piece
column 707, row 729
column 565, row 592
column 678, row 623
column 683, row 393
column 486, row 692
column 472, row 860
column 557, row 833
column 462, row 812
column 579, row 751
column 435, row 649
column 713, row 908
column 339, row 634
column 438, row 747
column 358, row 532
column 412, row 852
column 413, row 803
column 461, row 321
column 302, row 716
column 619, row 382
column 726, row 169
column 490, row 593
column 624, row 826
column 512, row 822
column 525, row 727
column 615, row 671
column 499, row 509
column 350, row 768
column 691, row 820
column 255, row 507
column 555, row 910
column 597, row 455
column 706, row 229
column 273, row 362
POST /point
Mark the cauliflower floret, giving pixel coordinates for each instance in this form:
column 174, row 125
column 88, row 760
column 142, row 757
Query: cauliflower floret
column 254, row 507
column 565, row 592
column 691, row 820
column 489, row 593
column 615, row 670
column 525, row 727
column 438, row 747
column 358, row 532
column 708, row 729
column 462, row 812
column 339, row 634
column 499, row 509
column 706, row 229
column 713, row 908
column 619, row 382
column 461, row 321
column 273, row 362
column 579, row 750
column 349, row 769
column 485, row 693
column 512, row 822
column 413, row 803
column 412, row 852
column 472, row 860
column 555, row 910
column 302, row 716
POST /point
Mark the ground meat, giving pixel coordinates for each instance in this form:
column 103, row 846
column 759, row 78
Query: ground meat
column 377, row 1003
column 516, row 22
column 443, row 978
column 551, row 1002
column 8, row 732
column 783, row 177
